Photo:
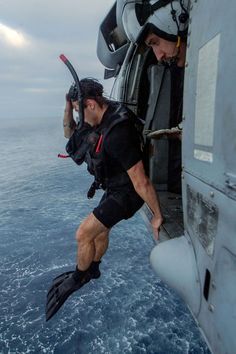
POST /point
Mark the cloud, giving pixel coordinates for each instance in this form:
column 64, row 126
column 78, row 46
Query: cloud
column 33, row 33
column 12, row 37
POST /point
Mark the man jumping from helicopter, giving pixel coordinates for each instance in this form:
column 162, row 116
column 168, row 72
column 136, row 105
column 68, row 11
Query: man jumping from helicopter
column 125, row 182
column 112, row 151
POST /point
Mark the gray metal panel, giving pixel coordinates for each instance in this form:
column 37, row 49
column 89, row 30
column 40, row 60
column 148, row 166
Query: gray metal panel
column 209, row 159
column 112, row 44
column 109, row 58
column 210, row 123
column 119, row 88
column 221, row 265
column 223, row 308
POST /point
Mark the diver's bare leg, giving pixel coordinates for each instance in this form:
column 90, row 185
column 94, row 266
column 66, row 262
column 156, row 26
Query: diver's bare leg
column 86, row 234
column 101, row 245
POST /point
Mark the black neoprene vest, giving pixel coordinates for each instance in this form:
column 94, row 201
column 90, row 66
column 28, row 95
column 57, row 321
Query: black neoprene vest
column 87, row 145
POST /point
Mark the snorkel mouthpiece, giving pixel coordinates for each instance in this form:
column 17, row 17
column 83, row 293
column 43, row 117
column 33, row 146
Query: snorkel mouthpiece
column 77, row 87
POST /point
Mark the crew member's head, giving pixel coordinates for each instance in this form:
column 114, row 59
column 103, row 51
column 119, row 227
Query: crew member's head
column 165, row 30
column 93, row 100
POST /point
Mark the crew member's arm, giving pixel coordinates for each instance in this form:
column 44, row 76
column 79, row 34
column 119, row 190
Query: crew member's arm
column 145, row 189
column 69, row 123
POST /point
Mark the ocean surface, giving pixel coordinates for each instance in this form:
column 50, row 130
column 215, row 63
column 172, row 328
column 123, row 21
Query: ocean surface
column 43, row 199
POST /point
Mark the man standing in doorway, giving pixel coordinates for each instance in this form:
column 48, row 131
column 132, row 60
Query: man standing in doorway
column 165, row 31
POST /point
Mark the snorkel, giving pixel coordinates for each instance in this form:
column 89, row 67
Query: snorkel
column 78, row 86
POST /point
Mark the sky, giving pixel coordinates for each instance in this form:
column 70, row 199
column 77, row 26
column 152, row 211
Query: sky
column 33, row 33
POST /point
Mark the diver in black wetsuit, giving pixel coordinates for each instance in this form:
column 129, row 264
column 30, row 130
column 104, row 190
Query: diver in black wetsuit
column 112, row 150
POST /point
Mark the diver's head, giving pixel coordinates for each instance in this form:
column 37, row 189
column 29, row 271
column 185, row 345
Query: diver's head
column 94, row 103
column 90, row 89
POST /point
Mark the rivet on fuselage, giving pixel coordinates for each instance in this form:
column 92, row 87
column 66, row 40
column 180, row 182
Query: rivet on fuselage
column 211, row 308
column 213, row 285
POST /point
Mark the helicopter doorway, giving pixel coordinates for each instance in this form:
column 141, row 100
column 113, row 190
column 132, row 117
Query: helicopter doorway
column 159, row 102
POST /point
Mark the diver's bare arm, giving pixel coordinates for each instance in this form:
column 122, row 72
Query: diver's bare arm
column 69, row 123
column 145, row 189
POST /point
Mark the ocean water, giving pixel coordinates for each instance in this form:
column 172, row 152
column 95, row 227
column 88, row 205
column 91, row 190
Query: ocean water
column 43, row 200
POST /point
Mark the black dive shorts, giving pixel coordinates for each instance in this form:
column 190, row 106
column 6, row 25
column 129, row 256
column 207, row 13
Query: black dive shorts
column 116, row 206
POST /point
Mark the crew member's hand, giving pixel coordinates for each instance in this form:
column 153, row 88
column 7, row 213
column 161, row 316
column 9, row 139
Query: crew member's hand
column 156, row 224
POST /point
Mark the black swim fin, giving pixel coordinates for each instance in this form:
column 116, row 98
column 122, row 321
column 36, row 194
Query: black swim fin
column 94, row 270
column 62, row 287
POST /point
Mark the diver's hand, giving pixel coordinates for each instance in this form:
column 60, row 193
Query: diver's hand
column 67, row 98
column 68, row 109
column 156, row 223
column 68, row 103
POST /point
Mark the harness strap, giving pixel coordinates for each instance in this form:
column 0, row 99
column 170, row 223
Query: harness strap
column 145, row 10
column 161, row 3
column 61, row 156
column 105, row 131
column 98, row 148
